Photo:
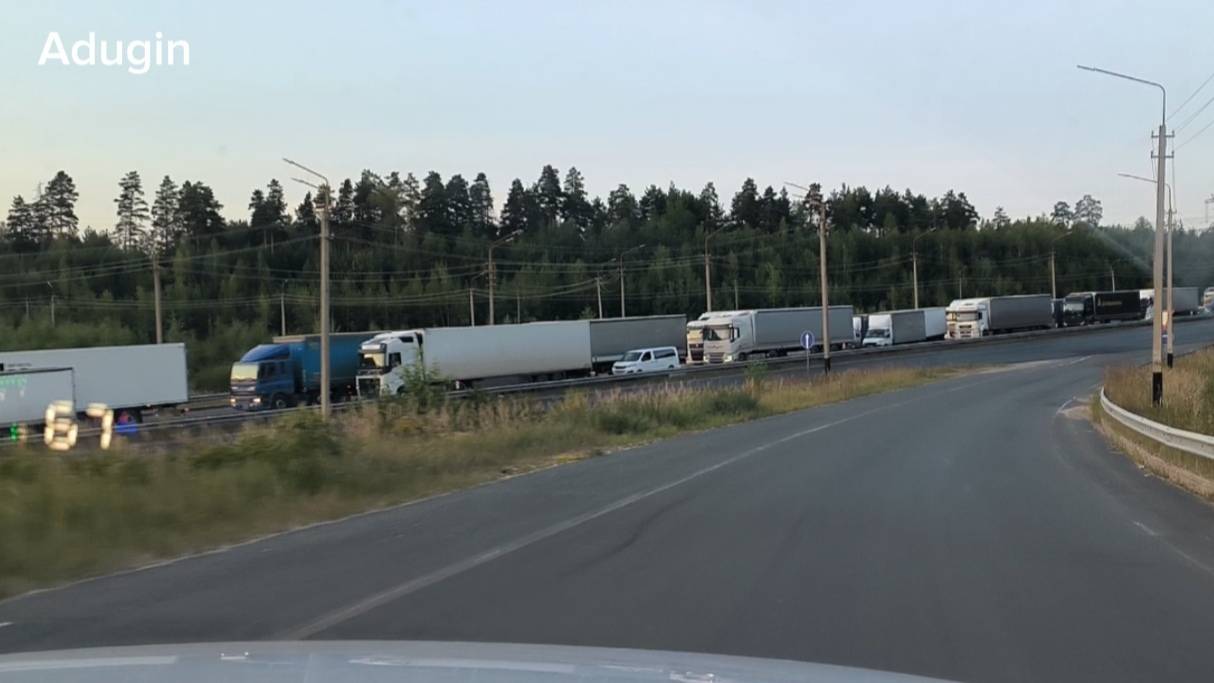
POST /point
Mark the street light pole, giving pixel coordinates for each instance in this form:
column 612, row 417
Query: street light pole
column 493, row 270
column 598, row 293
column 282, row 309
column 48, row 284
column 1053, row 271
column 322, row 193
column 915, row 264
column 1168, row 322
column 1157, row 279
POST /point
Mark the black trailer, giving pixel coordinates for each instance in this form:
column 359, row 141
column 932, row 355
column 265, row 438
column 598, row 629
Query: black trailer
column 1119, row 305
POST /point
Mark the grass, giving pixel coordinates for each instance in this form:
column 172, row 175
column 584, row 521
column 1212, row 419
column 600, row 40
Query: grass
column 1188, row 403
column 68, row 516
column 1188, row 399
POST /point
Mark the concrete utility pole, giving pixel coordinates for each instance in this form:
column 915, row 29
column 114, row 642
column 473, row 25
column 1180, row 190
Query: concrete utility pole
column 1112, row 278
column 620, row 259
column 915, row 264
column 822, row 229
column 598, row 293
column 471, row 308
column 1207, row 201
column 493, row 271
column 1160, row 173
column 708, row 270
column 156, row 293
column 48, row 284
column 282, row 309
column 1053, row 271
column 322, row 195
column 1168, row 261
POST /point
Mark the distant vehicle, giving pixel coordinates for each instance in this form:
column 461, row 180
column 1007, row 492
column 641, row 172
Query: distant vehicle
column 1119, row 305
column 1058, row 306
column 695, row 335
column 979, row 317
column 26, row 394
column 895, row 327
column 1185, row 300
column 770, row 332
column 859, row 325
column 128, row 379
column 1146, row 303
column 286, row 372
column 647, row 360
column 1207, row 297
column 491, row 355
column 935, row 322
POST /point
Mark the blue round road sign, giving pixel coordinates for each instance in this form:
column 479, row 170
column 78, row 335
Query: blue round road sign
column 807, row 340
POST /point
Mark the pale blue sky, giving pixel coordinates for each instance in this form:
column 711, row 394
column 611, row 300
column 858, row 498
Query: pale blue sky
column 983, row 97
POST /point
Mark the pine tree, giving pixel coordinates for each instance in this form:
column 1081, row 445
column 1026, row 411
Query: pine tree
column 548, row 196
column 166, row 225
column 459, row 202
column 621, row 206
column 60, row 205
column 434, row 214
column 481, row 199
column 198, row 210
column 744, row 209
column 711, row 206
column 514, row 211
column 19, row 227
column 132, row 212
column 575, row 208
column 305, row 214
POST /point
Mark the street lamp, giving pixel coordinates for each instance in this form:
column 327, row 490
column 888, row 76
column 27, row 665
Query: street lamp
column 493, row 271
column 620, row 260
column 708, row 270
column 915, row 263
column 1171, row 227
column 1156, row 318
column 323, row 196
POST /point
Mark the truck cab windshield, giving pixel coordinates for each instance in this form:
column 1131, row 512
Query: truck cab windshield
column 372, row 360
column 717, row 333
column 879, row 333
column 244, row 371
column 967, row 316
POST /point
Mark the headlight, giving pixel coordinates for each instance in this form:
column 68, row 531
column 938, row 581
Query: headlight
column 727, row 358
column 256, row 400
column 232, row 401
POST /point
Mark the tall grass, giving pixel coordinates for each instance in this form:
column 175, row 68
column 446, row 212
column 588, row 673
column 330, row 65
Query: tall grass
column 65, row 516
column 1188, row 399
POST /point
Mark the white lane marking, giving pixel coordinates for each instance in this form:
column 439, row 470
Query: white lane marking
column 1063, row 407
column 1149, row 530
column 86, row 663
column 413, row 585
column 5, row 623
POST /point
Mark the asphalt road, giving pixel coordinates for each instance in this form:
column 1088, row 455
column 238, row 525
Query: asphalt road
column 972, row 529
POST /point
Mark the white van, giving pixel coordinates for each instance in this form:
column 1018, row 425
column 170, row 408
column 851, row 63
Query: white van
column 647, row 360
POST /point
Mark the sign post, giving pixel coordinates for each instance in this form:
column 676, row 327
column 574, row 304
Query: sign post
column 807, row 343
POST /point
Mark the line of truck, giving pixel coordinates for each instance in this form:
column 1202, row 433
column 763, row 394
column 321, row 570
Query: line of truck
column 134, row 380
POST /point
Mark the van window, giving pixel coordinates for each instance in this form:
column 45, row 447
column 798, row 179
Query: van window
column 666, row 353
column 647, row 356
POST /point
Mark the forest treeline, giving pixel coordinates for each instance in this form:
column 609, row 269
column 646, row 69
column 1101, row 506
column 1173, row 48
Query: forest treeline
column 409, row 253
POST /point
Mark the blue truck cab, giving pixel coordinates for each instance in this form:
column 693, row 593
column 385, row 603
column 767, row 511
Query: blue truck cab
column 286, row 372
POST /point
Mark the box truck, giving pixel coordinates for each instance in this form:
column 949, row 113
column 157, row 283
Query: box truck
column 130, row 380
column 25, row 395
column 971, row 318
column 286, row 372
column 503, row 354
column 770, row 332
column 1185, row 300
column 895, row 327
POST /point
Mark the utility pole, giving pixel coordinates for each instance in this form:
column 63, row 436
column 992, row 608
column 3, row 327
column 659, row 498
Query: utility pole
column 471, row 308
column 1160, row 174
column 493, row 271
column 822, row 228
column 156, row 293
column 1053, row 277
column 1207, row 201
column 598, row 293
column 48, row 284
column 1112, row 278
column 735, row 294
column 915, row 264
column 620, row 259
column 708, row 270
column 282, row 309
column 322, row 194
column 1168, row 310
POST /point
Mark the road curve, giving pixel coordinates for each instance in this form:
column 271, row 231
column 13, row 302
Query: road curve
column 972, row 529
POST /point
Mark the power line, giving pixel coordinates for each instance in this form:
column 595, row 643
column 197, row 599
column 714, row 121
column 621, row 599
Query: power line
column 1191, row 96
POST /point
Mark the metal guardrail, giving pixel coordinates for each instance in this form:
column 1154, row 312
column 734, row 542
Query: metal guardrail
column 1189, row 442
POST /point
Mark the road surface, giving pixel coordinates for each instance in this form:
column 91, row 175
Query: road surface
column 972, row 529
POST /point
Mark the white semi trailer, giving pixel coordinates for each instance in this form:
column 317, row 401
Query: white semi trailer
column 128, row 379
column 491, row 355
column 770, row 332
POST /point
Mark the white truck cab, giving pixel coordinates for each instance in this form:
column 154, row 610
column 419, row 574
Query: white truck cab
column 647, row 360
column 723, row 336
column 968, row 318
column 880, row 331
column 383, row 361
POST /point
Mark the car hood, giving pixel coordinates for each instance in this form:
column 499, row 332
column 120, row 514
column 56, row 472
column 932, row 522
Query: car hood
column 450, row 662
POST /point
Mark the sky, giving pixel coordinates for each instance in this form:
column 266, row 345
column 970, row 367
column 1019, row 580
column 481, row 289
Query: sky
column 980, row 97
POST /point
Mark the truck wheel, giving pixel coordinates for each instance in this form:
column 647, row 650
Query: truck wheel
column 279, row 402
